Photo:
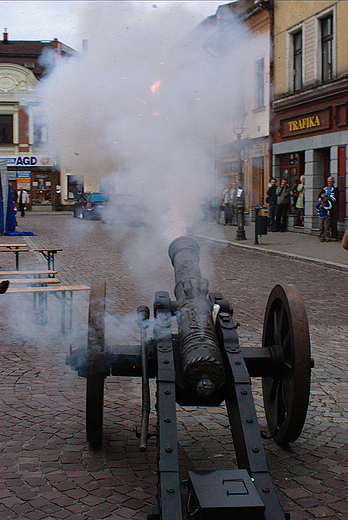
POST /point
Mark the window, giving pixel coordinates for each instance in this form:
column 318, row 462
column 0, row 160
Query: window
column 75, row 187
column 40, row 131
column 297, row 42
column 260, row 92
column 6, row 129
column 326, row 48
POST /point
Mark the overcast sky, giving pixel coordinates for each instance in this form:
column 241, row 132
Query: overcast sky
column 46, row 20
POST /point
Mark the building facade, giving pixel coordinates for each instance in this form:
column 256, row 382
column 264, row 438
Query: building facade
column 310, row 106
column 23, row 135
column 244, row 148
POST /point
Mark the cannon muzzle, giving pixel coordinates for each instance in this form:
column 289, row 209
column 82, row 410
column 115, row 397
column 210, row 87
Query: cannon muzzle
column 199, row 348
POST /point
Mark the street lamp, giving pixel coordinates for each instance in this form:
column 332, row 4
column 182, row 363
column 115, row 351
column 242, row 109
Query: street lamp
column 240, row 194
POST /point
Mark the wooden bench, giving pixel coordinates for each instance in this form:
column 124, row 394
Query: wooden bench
column 31, row 281
column 36, row 273
column 64, row 294
column 13, row 246
column 47, row 252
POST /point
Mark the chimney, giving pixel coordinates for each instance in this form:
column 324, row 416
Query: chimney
column 5, row 40
column 55, row 44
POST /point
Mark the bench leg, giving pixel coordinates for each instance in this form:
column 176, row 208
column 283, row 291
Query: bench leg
column 63, row 312
column 64, row 301
column 43, row 306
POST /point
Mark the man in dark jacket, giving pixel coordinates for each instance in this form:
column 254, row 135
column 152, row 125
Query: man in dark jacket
column 333, row 194
column 283, row 201
column 272, row 201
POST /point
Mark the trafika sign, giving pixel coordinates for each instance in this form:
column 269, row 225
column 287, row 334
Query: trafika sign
column 307, row 123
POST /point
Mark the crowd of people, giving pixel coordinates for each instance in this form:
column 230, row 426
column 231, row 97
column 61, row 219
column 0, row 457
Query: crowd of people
column 225, row 208
column 278, row 199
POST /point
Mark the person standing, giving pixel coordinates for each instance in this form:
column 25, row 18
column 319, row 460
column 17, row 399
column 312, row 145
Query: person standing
column 272, row 204
column 22, row 200
column 283, row 202
column 233, row 204
column 300, row 202
column 226, row 203
column 324, row 206
column 333, row 194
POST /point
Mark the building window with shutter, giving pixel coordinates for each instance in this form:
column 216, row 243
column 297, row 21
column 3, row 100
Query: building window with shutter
column 6, row 129
column 326, row 48
column 260, row 82
column 297, row 42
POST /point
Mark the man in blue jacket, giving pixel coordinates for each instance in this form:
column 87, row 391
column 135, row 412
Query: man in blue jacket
column 333, row 194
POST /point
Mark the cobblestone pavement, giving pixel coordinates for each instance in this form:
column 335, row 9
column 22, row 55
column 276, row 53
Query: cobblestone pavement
column 48, row 471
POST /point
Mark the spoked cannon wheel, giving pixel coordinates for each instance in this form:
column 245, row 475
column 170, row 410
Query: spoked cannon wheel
column 286, row 390
column 95, row 363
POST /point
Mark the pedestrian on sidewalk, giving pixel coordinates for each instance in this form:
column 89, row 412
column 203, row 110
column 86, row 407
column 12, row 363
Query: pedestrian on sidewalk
column 333, row 193
column 283, row 202
column 226, row 203
column 300, row 203
column 22, row 200
column 271, row 200
column 233, row 203
column 324, row 205
column 214, row 211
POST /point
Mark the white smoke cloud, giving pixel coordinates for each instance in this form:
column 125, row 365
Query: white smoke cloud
column 105, row 120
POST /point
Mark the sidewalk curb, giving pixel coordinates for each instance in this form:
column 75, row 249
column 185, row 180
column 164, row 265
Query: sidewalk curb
column 332, row 265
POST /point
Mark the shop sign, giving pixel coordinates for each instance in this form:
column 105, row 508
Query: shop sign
column 23, row 179
column 29, row 160
column 302, row 124
column 305, row 122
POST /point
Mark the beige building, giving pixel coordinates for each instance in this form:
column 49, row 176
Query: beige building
column 310, row 124
column 24, row 137
column 247, row 136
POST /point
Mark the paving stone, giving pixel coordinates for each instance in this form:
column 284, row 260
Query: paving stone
column 42, row 401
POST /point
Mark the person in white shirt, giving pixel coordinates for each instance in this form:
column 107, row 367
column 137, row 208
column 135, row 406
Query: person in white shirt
column 22, row 200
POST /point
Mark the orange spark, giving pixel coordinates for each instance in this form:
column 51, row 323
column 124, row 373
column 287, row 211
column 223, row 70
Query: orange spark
column 155, row 86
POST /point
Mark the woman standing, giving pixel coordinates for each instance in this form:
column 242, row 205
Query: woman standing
column 300, row 202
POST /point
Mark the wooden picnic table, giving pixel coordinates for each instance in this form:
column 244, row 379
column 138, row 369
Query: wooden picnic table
column 63, row 293
column 32, row 281
column 47, row 252
column 13, row 245
column 35, row 273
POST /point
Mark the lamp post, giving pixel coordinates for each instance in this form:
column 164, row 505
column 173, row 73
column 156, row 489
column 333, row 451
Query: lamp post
column 240, row 196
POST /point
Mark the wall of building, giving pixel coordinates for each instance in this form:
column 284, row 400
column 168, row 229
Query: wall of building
column 311, row 119
column 253, row 118
column 292, row 15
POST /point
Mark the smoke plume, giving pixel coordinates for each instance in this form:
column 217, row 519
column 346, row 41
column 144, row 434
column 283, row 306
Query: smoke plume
column 141, row 109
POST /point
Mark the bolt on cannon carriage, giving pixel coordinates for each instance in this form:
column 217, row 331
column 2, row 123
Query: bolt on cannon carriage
column 202, row 364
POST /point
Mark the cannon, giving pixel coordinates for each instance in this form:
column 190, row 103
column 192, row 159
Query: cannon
column 202, row 364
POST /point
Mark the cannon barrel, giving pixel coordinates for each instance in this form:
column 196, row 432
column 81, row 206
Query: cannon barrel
column 199, row 349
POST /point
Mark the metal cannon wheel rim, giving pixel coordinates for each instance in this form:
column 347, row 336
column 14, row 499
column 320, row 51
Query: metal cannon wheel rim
column 286, row 391
column 95, row 363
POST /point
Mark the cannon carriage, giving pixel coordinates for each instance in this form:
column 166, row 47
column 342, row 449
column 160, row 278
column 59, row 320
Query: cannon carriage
column 202, row 364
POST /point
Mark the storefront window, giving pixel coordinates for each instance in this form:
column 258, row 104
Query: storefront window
column 41, row 188
column 75, row 187
column 291, row 168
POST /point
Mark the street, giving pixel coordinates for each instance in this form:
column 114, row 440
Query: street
column 48, row 471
